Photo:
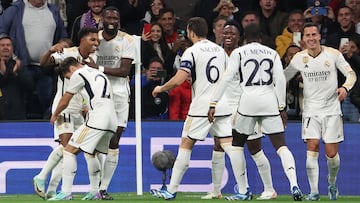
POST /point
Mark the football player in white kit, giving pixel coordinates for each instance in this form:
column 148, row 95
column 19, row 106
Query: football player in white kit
column 95, row 133
column 321, row 114
column 114, row 58
column 72, row 117
column 206, row 61
column 262, row 100
column 231, row 36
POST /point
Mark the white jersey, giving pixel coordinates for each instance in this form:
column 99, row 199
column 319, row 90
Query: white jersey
column 206, row 61
column 75, row 105
column 233, row 92
column 96, row 90
column 110, row 53
column 263, row 82
column 319, row 76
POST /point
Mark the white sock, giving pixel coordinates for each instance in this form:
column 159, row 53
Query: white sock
column 288, row 163
column 238, row 163
column 69, row 171
column 93, row 166
column 110, row 165
column 217, row 170
column 101, row 157
column 53, row 159
column 263, row 166
column 55, row 178
column 333, row 167
column 180, row 166
column 312, row 170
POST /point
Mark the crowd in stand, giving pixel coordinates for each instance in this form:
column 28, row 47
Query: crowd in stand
column 33, row 27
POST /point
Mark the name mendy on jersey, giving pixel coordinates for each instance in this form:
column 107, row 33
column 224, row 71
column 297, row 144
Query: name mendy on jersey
column 317, row 76
column 257, row 52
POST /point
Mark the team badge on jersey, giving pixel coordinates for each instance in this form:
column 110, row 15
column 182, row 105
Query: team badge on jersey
column 117, row 49
column 327, row 64
column 305, row 59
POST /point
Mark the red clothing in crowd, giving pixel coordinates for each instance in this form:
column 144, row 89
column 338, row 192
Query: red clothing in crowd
column 179, row 101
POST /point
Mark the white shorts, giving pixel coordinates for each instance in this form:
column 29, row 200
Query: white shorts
column 197, row 128
column 90, row 139
column 122, row 110
column 269, row 125
column 67, row 123
column 329, row 128
column 257, row 129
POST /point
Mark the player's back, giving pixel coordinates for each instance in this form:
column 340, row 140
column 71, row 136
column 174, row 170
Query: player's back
column 260, row 68
column 97, row 92
column 208, row 65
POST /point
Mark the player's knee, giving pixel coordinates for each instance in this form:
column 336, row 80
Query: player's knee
column 218, row 148
column 239, row 140
column 254, row 149
column 113, row 145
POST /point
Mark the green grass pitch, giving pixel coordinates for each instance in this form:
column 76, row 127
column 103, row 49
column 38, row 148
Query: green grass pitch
column 146, row 197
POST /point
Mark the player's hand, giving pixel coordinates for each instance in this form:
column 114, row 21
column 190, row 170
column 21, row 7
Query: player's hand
column 59, row 47
column 284, row 118
column 16, row 67
column 211, row 115
column 2, row 66
column 91, row 63
column 53, row 118
column 156, row 91
column 342, row 93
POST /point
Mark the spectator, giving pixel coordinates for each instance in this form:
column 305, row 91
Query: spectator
column 15, row 82
column 35, row 26
column 61, row 4
column 353, row 57
column 208, row 9
column 226, row 9
column 151, row 107
column 294, row 93
column 179, row 100
column 153, row 44
column 295, row 24
column 326, row 23
column 253, row 17
column 272, row 20
column 345, row 29
column 184, row 10
column 91, row 18
column 152, row 14
column 217, row 29
column 167, row 21
column 131, row 11
column 73, row 10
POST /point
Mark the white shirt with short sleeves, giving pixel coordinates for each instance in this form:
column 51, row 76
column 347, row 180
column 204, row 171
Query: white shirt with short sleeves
column 263, row 82
column 206, row 61
column 319, row 76
column 96, row 89
column 75, row 105
column 110, row 53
